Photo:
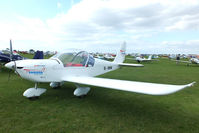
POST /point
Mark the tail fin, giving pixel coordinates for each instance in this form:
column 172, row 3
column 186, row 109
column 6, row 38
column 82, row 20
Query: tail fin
column 120, row 57
column 150, row 57
column 39, row 55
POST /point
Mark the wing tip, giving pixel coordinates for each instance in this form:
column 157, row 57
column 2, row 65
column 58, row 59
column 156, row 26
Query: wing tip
column 191, row 84
column 180, row 88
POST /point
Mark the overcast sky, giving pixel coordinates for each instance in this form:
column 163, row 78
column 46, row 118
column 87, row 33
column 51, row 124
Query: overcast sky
column 147, row 26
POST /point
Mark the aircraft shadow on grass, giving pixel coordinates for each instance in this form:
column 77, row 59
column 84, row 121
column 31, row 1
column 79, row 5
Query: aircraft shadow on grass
column 139, row 108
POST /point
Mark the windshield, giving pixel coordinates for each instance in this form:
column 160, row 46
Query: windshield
column 73, row 59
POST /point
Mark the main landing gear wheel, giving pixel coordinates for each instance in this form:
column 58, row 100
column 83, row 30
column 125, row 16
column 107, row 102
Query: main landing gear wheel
column 56, row 85
column 81, row 92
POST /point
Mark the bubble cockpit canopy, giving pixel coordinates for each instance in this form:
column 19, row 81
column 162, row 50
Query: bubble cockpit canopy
column 74, row 58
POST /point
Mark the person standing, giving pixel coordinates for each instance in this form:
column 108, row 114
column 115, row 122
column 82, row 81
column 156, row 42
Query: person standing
column 178, row 59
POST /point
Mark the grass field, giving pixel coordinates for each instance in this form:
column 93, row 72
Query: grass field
column 104, row 110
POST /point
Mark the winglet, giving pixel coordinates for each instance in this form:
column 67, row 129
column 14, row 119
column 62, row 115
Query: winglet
column 191, row 84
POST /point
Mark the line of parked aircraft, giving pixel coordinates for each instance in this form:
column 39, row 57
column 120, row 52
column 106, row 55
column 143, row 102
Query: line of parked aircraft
column 7, row 56
column 191, row 61
column 81, row 68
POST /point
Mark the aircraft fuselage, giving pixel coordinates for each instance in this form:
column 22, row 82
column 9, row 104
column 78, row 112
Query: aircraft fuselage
column 52, row 70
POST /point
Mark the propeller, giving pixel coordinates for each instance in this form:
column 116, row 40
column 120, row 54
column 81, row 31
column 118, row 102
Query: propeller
column 11, row 52
column 11, row 59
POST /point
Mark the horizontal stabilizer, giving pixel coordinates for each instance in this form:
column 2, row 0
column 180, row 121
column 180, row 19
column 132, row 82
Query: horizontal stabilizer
column 132, row 86
column 130, row 58
column 130, row 65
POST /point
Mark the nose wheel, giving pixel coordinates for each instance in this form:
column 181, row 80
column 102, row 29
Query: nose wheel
column 34, row 93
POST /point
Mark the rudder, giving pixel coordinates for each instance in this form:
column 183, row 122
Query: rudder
column 120, row 57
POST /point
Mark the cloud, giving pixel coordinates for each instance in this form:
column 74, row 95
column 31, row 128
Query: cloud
column 145, row 16
column 59, row 5
column 106, row 23
column 72, row 2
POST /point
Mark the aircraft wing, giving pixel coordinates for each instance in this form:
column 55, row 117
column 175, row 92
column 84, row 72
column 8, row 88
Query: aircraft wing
column 132, row 86
column 130, row 65
column 182, row 61
column 131, row 59
column 155, row 60
column 146, row 60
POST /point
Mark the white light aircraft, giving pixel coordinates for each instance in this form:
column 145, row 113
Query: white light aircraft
column 109, row 57
column 81, row 68
column 191, row 61
column 139, row 59
column 142, row 59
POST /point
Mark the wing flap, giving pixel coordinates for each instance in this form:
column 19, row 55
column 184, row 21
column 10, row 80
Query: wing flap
column 132, row 86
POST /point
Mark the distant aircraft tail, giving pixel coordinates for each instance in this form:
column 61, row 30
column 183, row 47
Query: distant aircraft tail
column 39, row 55
column 120, row 57
column 150, row 57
